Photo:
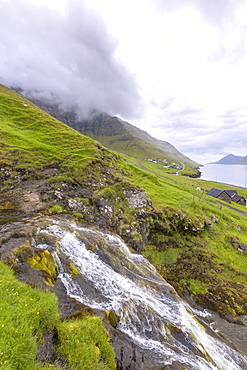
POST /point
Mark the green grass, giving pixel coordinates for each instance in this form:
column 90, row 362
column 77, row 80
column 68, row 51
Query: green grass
column 84, row 345
column 26, row 313
column 127, row 139
column 32, row 139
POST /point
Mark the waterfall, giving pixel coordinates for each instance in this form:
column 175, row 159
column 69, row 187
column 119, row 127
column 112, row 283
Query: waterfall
column 150, row 311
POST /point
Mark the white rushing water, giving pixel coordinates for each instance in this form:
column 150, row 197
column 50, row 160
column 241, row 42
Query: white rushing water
column 115, row 279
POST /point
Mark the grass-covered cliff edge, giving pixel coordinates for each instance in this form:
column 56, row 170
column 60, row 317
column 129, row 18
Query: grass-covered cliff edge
column 47, row 167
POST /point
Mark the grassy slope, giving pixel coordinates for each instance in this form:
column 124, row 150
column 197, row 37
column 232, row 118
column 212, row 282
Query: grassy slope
column 120, row 136
column 202, row 263
column 32, row 139
column 127, row 139
column 206, row 263
column 27, row 313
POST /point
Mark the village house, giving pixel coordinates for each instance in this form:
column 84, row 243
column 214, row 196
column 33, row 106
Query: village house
column 220, row 194
column 239, row 199
column 227, row 195
column 231, row 192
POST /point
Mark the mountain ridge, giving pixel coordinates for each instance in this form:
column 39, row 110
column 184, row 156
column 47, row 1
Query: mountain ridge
column 116, row 134
column 232, row 159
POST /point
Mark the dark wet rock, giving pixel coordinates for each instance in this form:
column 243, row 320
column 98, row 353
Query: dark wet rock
column 36, row 278
column 69, row 307
column 112, row 318
column 86, row 193
column 105, row 208
column 46, row 347
column 129, row 356
column 208, row 222
column 77, row 315
column 232, row 318
column 242, row 246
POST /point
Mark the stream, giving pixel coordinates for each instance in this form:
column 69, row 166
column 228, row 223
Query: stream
column 150, row 311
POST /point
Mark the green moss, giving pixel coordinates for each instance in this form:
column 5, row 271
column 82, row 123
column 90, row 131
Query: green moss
column 43, row 260
column 77, row 214
column 72, row 268
column 60, row 179
column 55, row 209
column 112, row 318
column 26, row 313
column 168, row 256
column 194, row 286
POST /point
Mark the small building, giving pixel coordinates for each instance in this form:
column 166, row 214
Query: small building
column 239, row 199
column 220, row 194
column 231, row 192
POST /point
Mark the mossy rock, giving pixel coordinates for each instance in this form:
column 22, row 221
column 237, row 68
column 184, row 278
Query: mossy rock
column 80, row 314
column 9, row 201
column 112, row 318
column 72, row 268
column 38, row 259
column 53, row 210
column 46, row 238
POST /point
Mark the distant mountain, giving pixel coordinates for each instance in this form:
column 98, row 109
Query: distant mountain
column 116, row 134
column 242, row 160
column 231, row 159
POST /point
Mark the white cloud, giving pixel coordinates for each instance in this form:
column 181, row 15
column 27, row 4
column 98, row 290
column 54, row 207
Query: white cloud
column 69, row 53
column 188, row 57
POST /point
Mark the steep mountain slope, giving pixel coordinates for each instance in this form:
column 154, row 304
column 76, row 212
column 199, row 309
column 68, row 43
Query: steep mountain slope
column 62, row 192
column 118, row 135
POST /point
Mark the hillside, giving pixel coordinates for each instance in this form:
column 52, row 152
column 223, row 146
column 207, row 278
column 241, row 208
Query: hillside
column 67, row 206
column 117, row 135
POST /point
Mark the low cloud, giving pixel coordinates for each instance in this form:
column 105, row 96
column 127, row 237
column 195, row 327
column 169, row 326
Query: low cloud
column 70, row 55
column 215, row 12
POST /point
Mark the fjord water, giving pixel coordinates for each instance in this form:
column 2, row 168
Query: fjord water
column 225, row 173
column 149, row 310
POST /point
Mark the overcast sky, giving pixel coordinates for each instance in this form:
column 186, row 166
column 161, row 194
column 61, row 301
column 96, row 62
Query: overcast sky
column 174, row 68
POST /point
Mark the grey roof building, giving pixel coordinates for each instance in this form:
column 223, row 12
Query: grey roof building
column 239, row 199
column 220, row 194
column 231, row 192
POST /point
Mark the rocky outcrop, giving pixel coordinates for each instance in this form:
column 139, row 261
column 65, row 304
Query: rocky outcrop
column 242, row 247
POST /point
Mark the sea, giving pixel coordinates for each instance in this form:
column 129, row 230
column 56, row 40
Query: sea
column 234, row 174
